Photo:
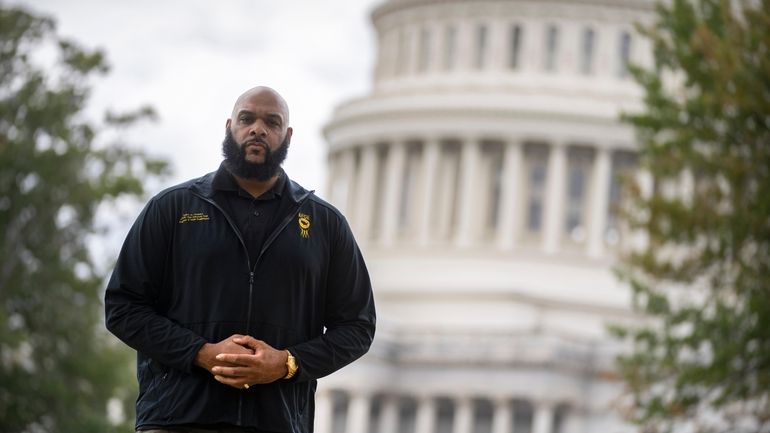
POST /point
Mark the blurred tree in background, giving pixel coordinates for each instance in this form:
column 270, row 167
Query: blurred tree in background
column 703, row 278
column 58, row 368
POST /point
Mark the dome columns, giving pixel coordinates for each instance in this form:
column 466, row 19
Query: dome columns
column 470, row 192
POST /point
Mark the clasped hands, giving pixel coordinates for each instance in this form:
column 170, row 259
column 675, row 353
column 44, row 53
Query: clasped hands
column 241, row 361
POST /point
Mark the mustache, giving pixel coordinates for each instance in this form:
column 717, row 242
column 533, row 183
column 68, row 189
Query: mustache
column 254, row 141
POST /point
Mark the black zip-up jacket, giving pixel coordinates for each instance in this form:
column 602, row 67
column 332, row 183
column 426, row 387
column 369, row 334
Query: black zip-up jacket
column 183, row 278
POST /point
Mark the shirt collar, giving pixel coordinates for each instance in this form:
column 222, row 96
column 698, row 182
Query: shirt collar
column 225, row 181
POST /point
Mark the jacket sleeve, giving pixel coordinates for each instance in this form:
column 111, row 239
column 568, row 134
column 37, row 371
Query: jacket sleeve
column 349, row 316
column 134, row 297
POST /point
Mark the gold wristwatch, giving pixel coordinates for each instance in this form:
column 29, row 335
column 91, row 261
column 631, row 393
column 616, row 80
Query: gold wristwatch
column 291, row 366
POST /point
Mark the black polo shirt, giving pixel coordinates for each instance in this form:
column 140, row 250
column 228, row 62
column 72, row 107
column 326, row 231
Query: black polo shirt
column 254, row 217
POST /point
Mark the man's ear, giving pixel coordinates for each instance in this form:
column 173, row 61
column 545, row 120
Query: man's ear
column 289, row 131
column 227, row 124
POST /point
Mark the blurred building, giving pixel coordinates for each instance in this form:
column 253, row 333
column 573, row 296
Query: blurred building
column 480, row 177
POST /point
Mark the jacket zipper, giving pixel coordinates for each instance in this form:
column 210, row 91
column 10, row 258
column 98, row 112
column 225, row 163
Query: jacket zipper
column 248, row 266
column 266, row 244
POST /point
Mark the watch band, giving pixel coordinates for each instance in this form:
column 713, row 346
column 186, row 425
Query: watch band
column 291, row 366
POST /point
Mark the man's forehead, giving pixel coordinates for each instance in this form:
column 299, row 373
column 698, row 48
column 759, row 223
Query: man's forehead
column 262, row 99
column 250, row 110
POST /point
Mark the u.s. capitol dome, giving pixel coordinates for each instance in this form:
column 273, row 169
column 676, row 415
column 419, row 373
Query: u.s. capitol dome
column 481, row 179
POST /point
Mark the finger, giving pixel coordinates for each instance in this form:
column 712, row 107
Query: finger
column 226, row 364
column 235, row 383
column 230, row 371
column 238, row 360
column 233, row 347
column 247, row 341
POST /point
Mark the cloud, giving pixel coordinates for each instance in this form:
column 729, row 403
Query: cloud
column 191, row 59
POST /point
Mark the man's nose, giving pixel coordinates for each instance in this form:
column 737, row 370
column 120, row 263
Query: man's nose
column 259, row 128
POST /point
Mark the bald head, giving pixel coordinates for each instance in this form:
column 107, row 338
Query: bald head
column 265, row 95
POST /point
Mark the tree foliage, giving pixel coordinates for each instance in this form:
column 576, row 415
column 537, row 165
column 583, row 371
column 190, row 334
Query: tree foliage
column 702, row 362
column 58, row 368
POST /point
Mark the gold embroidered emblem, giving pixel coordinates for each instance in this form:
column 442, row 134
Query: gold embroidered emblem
column 193, row 217
column 303, row 221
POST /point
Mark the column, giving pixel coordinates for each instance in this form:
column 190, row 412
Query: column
column 463, row 421
column 348, row 173
column 388, row 55
column 435, row 60
column 600, row 192
column 532, row 46
column 358, row 413
column 464, row 45
column 365, row 189
column 426, row 415
column 323, row 411
column 498, row 44
column 543, row 419
column 554, row 199
column 428, row 174
column 502, row 420
column 331, row 164
column 389, row 415
column 394, row 176
column 466, row 207
column 508, row 222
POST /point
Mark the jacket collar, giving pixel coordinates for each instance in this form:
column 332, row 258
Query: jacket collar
column 204, row 187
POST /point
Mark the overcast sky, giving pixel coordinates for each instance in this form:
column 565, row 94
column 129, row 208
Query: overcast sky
column 191, row 59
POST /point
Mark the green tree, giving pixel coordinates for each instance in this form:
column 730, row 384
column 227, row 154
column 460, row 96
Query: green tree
column 58, row 367
column 702, row 361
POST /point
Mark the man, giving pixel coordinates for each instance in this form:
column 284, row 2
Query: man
column 239, row 289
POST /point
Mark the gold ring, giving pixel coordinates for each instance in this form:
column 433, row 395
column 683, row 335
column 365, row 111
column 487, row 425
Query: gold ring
column 245, row 386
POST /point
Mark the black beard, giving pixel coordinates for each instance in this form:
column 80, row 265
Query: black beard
column 237, row 164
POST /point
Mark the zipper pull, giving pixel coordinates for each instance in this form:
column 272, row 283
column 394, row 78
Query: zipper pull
column 251, row 277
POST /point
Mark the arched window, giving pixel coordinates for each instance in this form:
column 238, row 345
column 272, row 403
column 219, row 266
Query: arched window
column 340, row 403
column 409, row 185
column 514, row 51
column 551, row 47
column 407, row 415
column 536, row 166
column 481, row 46
column 492, row 173
column 624, row 54
column 587, row 51
column 445, row 414
column 579, row 165
column 483, row 412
